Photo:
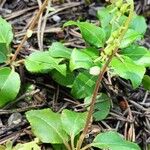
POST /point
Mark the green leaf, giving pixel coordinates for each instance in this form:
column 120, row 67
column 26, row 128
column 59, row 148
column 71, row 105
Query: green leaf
column 79, row 59
column 27, row 146
column 146, row 82
column 58, row 147
column 138, row 24
column 130, row 37
column 105, row 16
column 9, row 85
column 102, row 106
column 63, row 80
column 2, row 147
column 6, row 36
column 46, row 125
column 92, row 34
column 9, row 145
column 127, row 69
column 3, row 52
column 83, row 85
column 139, row 54
column 73, row 122
column 112, row 140
column 92, row 52
column 41, row 62
column 59, row 50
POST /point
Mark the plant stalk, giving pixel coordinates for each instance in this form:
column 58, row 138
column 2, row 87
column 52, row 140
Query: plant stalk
column 101, row 74
column 72, row 142
column 90, row 112
column 32, row 25
column 67, row 146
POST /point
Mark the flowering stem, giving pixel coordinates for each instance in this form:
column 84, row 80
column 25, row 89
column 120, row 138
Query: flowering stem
column 110, row 56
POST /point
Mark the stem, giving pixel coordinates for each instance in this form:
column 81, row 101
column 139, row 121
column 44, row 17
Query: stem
column 86, row 147
column 33, row 23
column 72, row 142
column 67, row 145
column 90, row 112
column 129, row 19
column 100, row 76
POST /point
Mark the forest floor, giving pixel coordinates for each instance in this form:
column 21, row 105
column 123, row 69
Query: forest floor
column 46, row 92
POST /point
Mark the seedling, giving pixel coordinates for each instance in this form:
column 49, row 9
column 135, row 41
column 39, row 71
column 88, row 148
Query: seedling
column 112, row 46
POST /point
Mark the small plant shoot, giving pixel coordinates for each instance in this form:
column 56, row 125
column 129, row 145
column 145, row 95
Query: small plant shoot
column 111, row 46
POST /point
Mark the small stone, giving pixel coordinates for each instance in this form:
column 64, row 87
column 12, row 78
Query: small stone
column 93, row 11
column 56, row 18
column 14, row 119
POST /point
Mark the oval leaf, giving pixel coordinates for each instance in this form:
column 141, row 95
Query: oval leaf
column 79, row 59
column 58, row 147
column 139, row 54
column 102, row 106
column 41, row 62
column 112, row 140
column 146, row 82
column 105, row 16
column 92, row 34
column 139, row 24
column 3, row 52
column 9, row 85
column 6, row 36
column 46, row 125
column 59, row 50
column 27, row 146
column 91, row 52
column 127, row 69
column 73, row 122
column 83, row 85
column 130, row 37
column 63, row 80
